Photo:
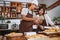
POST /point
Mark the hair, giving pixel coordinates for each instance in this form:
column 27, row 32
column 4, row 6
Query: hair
column 43, row 9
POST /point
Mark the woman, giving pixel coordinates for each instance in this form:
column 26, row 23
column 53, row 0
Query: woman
column 27, row 18
column 44, row 19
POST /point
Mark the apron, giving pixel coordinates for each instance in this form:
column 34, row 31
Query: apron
column 26, row 26
column 40, row 28
column 44, row 23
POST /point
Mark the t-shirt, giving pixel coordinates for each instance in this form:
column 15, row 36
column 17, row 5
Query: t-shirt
column 41, row 17
column 26, row 10
column 47, row 18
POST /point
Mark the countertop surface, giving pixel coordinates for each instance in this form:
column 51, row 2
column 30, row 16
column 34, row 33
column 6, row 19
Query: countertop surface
column 8, row 29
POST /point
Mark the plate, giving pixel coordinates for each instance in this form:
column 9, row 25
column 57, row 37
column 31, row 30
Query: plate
column 29, row 33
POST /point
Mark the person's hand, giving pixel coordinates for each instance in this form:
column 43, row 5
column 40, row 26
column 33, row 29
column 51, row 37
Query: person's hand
column 40, row 21
column 35, row 18
column 36, row 22
column 41, row 27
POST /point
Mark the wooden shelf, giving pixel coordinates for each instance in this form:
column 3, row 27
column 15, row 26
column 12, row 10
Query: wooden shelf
column 28, row 5
column 16, row 7
column 19, row 4
column 9, row 15
column 0, row 13
column 14, row 10
column 54, row 5
column 19, row 7
column 18, row 16
column 1, row 8
column 13, row 4
column 6, row 9
column 11, row 11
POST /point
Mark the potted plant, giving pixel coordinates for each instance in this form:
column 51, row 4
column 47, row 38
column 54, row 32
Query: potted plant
column 56, row 20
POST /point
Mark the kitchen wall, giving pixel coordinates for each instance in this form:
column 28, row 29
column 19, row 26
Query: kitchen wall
column 41, row 1
column 55, row 11
column 49, row 2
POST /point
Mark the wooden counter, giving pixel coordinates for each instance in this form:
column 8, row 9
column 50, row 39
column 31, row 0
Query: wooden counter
column 23, row 38
column 54, row 38
column 6, row 31
column 48, row 37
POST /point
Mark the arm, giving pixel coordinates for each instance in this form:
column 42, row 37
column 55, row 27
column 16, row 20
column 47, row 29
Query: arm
column 48, row 20
column 26, row 18
column 24, row 13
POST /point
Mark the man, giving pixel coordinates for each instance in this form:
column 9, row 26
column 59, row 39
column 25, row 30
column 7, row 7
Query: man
column 28, row 17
